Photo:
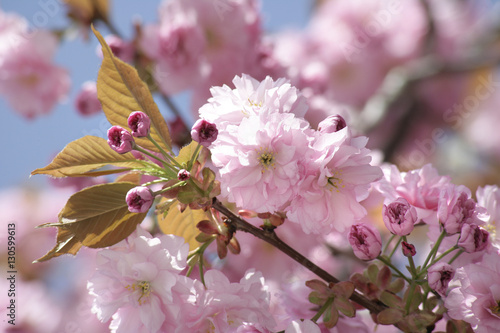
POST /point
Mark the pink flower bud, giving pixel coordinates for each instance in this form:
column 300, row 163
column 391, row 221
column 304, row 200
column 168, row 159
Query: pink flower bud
column 408, row 249
column 139, row 199
column 438, row 277
column 399, row 217
column 204, row 132
column 120, row 140
column 332, row 124
column 473, row 238
column 365, row 241
column 86, row 102
column 183, row 175
column 454, row 209
column 139, row 123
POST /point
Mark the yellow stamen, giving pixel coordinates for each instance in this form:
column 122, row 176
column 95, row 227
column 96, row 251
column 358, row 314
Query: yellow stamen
column 336, row 181
column 266, row 159
column 145, row 289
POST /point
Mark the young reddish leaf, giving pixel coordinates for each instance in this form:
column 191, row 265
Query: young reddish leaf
column 330, row 317
column 96, row 217
column 391, row 300
column 343, row 289
column 86, row 154
column 389, row 316
column 182, row 224
column 121, row 91
column 345, row 306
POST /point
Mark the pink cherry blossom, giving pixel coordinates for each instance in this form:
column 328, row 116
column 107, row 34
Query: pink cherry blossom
column 120, row 140
column 335, row 178
column 139, row 199
column 139, row 123
column 249, row 98
column 473, row 238
column 258, row 160
column 204, row 132
column 29, row 80
column 489, row 198
column 476, row 299
column 365, row 241
column 86, row 102
column 192, row 45
column 439, row 276
column 306, row 326
column 225, row 306
column 420, row 187
column 399, row 217
column 134, row 279
column 456, row 208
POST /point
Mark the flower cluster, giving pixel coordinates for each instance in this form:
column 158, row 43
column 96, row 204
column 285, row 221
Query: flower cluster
column 140, row 285
column 269, row 159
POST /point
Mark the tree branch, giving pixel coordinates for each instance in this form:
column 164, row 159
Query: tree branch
column 270, row 237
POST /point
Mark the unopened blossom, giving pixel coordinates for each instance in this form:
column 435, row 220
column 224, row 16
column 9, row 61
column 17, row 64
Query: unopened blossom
column 332, row 124
column 139, row 123
column 250, row 98
column 408, row 249
column 258, row 161
column 473, row 238
column 120, row 140
column 86, row 102
column 455, row 208
column 476, row 299
column 439, row 276
column 336, row 176
column 183, row 174
column 134, row 280
column 204, row 132
column 365, row 241
column 399, row 217
column 139, row 199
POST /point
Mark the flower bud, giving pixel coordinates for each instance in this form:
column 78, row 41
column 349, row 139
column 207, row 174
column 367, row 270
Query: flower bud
column 365, row 241
column 204, row 132
column 120, row 140
column 183, row 175
column 139, row 199
column 399, row 217
column 332, row 124
column 438, row 277
column 473, row 238
column 408, row 249
column 139, row 123
column 455, row 209
column 86, row 102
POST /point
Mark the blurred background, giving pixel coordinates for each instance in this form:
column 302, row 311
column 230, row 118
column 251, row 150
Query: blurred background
column 418, row 77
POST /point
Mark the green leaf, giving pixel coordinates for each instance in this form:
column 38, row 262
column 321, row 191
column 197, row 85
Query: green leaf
column 330, row 317
column 186, row 153
column 86, row 154
column 121, row 91
column 345, row 306
column 391, row 300
column 182, row 224
column 96, row 217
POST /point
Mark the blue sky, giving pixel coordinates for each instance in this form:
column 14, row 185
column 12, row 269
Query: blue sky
column 30, row 144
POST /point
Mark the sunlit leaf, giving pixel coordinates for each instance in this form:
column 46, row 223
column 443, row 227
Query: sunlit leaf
column 186, row 153
column 95, row 217
column 86, row 154
column 182, row 224
column 87, row 10
column 121, row 91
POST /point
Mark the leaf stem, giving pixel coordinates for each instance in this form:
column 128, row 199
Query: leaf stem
column 323, row 308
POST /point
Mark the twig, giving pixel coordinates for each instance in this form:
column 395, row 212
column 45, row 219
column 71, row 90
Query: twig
column 270, row 237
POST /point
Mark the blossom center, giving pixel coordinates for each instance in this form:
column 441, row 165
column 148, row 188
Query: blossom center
column 144, row 287
column 336, row 181
column 253, row 106
column 491, row 228
column 266, row 159
column 495, row 309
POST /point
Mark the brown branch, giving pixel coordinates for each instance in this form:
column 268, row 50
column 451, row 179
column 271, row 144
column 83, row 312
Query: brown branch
column 270, row 237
